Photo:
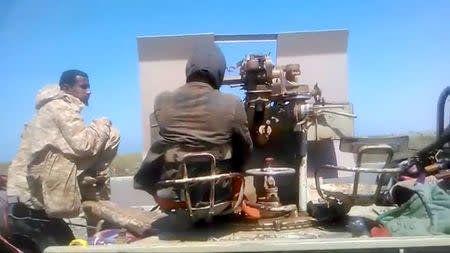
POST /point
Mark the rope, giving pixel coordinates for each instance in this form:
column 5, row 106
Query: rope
column 47, row 220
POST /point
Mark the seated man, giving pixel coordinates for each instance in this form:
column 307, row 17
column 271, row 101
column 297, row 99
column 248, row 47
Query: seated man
column 197, row 117
column 60, row 161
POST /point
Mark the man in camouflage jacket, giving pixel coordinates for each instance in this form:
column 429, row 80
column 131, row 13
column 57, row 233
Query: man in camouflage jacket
column 61, row 161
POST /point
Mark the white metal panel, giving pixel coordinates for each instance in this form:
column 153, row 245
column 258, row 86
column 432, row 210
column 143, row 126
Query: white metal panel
column 162, row 63
column 322, row 57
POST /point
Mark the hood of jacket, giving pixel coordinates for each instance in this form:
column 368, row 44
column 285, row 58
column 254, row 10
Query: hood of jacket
column 52, row 92
column 210, row 59
column 47, row 94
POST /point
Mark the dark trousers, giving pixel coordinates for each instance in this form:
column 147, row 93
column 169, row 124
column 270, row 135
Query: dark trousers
column 33, row 230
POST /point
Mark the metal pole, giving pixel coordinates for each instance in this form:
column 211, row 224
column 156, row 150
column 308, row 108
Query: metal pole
column 440, row 112
column 303, row 184
column 303, row 170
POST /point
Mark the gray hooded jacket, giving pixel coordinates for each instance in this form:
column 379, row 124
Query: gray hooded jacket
column 197, row 116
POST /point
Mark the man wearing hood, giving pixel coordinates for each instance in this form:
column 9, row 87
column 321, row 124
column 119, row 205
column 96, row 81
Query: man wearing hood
column 61, row 161
column 196, row 117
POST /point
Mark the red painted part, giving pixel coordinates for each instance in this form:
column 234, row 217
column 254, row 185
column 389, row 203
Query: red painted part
column 5, row 217
column 4, row 214
column 9, row 245
column 3, row 182
column 380, row 232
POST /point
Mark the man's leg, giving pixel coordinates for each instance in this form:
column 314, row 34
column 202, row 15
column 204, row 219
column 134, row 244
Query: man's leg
column 95, row 181
column 34, row 227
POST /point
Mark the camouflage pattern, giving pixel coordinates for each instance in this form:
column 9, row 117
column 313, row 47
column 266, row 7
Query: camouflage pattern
column 57, row 152
column 17, row 171
column 17, row 185
column 94, row 179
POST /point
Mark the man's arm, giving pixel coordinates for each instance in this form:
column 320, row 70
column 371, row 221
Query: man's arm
column 85, row 141
column 241, row 139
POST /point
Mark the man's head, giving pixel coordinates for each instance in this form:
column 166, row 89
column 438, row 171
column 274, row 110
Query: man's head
column 76, row 83
column 207, row 64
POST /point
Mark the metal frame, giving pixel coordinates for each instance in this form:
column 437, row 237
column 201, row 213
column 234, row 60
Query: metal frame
column 440, row 112
column 212, row 178
column 354, row 198
column 235, row 38
column 271, row 171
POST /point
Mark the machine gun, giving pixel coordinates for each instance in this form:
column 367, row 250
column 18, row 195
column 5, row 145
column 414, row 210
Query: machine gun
column 272, row 93
column 280, row 111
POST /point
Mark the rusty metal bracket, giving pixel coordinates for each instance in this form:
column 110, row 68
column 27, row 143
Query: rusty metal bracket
column 186, row 181
column 354, row 198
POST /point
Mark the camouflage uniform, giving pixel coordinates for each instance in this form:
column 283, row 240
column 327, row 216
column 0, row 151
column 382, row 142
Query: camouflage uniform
column 17, row 185
column 58, row 153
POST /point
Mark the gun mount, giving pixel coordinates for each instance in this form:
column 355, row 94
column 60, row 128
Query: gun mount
column 280, row 110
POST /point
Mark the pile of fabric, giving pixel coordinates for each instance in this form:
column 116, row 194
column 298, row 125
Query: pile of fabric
column 426, row 212
column 422, row 195
column 423, row 209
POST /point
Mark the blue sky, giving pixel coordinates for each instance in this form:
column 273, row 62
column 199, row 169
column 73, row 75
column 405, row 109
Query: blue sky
column 398, row 53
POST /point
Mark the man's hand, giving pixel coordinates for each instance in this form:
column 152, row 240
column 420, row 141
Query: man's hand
column 103, row 121
column 103, row 176
column 99, row 177
column 88, row 180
